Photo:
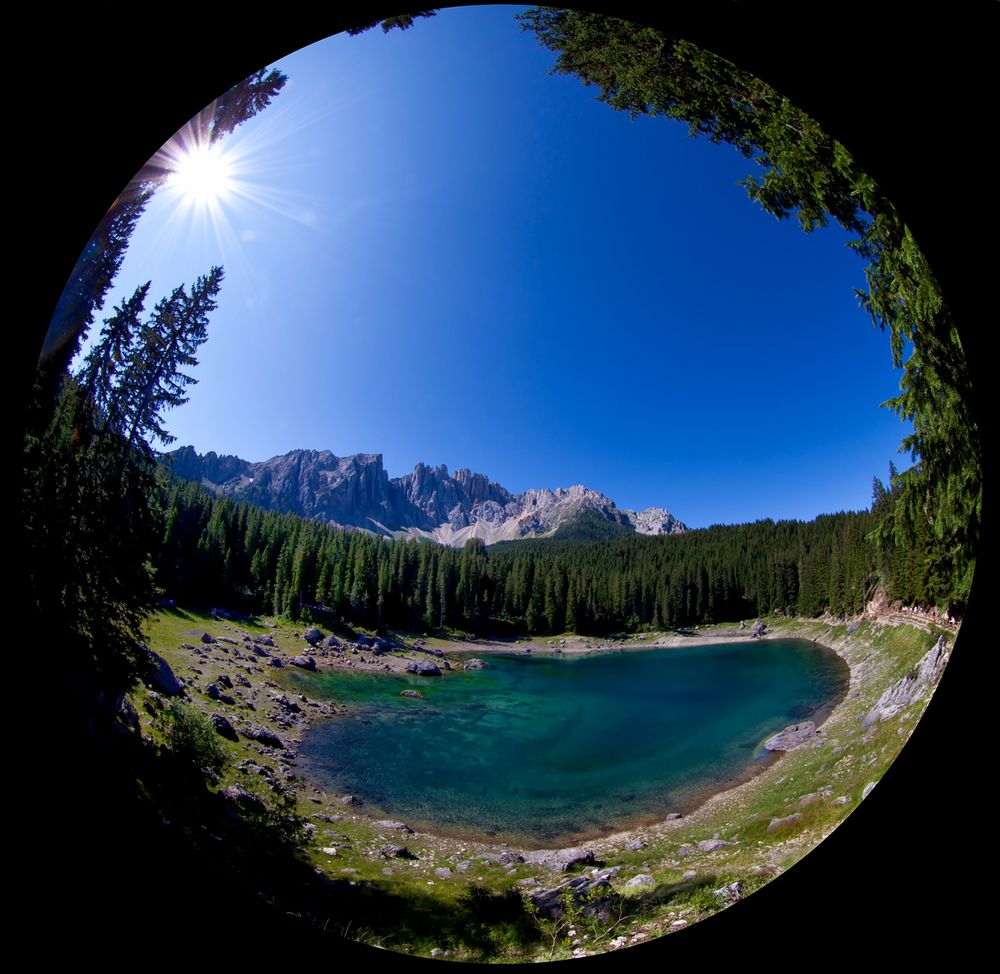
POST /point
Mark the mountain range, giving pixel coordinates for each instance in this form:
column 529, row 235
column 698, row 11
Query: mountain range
column 356, row 492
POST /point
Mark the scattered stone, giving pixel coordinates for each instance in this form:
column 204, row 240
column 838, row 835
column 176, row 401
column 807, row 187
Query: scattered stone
column 411, row 693
column 329, row 850
column 841, row 800
column 640, row 882
column 397, row 826
column 443, row 872
column 778, row 823
column 689, row 874
column 223, row 727
column 351, row 800
column 224, row 681
column 305, row 662
column 331, row 642
column 732, row 893
column 476, row 664
column 206, row 638
column 312, row 635
column 396, row 852
column 853, row 627
column 634, row 845
column 275, row 661
column 806, row 800
column 509, row 857
column 710, row 845
column 673, row 816
column 686, row 849
column 791, row 737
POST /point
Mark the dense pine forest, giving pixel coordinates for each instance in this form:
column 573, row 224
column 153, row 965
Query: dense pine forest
column 218, row 552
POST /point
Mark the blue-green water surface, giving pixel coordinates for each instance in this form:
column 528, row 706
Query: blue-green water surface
column 548, row 750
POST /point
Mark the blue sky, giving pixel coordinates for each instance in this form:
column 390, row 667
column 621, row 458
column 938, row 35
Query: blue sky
column 443, row 254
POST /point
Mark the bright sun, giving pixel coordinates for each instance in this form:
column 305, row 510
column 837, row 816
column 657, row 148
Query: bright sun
column 203, row 176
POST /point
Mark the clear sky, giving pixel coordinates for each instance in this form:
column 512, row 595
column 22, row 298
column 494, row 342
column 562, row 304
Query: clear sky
column 438, row 252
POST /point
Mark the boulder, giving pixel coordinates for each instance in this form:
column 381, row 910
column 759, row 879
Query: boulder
column 331, row 642
column 563, row 860
column 411, row 693
column 476, row 664
column 779, row 823
column 423, row 668
column 305, row 662
column 641, row 882
column 381, row 645
column 206, row 638
column 395, row 826
column 162, row 677
column 312, row 636
column 594, row 897
column 732, row 893
column 263, row 736
column 791, row 737
column 223, row 727
column 710, row 845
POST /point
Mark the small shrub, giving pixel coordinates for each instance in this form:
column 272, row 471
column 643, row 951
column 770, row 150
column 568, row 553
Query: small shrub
column 190, row 734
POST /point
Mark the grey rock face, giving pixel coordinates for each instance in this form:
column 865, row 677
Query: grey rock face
column 356, row 492
column 917, row 683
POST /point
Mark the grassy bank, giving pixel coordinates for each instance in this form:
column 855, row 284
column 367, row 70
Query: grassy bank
column 469, row 900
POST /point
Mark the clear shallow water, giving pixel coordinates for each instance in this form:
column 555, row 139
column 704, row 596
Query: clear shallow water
column 550, row 750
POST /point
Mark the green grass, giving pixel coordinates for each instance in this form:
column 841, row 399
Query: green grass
column 481, row 914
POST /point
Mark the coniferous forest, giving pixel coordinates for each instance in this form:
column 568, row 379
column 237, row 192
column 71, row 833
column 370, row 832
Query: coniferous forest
column 218, row 552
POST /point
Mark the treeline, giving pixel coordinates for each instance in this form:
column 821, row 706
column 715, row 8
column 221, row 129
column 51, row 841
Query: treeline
column 216, row 551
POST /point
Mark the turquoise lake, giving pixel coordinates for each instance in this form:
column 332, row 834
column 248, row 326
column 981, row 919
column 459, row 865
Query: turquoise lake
column 549, row 750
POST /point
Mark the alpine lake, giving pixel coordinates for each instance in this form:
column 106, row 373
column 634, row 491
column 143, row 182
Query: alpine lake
column 548, row 750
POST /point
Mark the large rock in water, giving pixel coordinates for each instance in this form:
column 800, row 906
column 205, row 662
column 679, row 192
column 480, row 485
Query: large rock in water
column 792, row 736
column 476, row 664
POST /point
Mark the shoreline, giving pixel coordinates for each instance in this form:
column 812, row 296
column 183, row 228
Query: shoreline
column 709, row 798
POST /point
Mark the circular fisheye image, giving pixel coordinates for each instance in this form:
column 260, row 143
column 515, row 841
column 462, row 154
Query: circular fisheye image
column 500, row 487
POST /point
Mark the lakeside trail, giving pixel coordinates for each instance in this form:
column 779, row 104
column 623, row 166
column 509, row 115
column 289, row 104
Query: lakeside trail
column 744, row 834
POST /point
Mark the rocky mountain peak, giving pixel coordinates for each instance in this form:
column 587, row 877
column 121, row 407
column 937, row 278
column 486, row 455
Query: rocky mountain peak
column 356, row 491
